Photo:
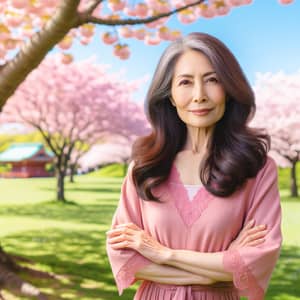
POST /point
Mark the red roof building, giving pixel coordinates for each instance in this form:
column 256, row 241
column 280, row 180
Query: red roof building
column 26, row 160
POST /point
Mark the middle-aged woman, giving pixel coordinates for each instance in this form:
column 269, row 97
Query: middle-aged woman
column 199, row 214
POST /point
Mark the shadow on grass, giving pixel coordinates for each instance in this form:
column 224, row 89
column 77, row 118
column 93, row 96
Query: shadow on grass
column 286, row 277
column 89, row 214
column 79, row 258
column 87, row 189
column 289, row 199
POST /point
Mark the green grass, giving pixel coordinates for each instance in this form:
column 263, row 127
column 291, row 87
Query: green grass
column 113, row 170
column 69, row 239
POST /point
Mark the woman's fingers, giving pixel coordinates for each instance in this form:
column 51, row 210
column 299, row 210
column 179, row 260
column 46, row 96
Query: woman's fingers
column 250, row 235
column 119, row 238
column 249, row 224
column 128, row 225
column 255, row 242
column 257, row 229
column 119, row 231
column 123, row 236
column 246, row 231
column 255, row 236
column 121, row 245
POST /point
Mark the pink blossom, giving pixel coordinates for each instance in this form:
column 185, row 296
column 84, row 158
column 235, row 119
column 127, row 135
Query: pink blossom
column 125, row 32
column 122, row 51
column 116, row 5
column 109, row 38
column 285, row 1
column 141, row 10
column 14, row 19
column 20, row 3
column 87, row 30
column 140, row 33
column 66, row 43
column 152, row 39
column 66, row 58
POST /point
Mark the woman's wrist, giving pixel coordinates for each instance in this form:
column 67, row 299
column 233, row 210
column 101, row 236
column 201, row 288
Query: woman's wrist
column 167, row 256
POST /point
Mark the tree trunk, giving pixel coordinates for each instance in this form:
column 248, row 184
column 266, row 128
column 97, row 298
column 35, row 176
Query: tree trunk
column 7, row 260
column 294, row 187
column 60, row 186
column 11, row 281
column 124, row 169
column 72, row 172
column 33, row 52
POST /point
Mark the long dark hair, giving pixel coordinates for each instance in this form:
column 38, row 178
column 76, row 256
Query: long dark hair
column 236, row 152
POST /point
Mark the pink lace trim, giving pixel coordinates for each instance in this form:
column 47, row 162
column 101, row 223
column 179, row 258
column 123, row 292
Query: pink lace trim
column 243, row 279
column 125, row 276
column 190, row 211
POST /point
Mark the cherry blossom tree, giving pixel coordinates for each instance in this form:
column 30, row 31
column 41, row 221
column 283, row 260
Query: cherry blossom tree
column 115, row 150
column 278, row 110
column 111, row 149
column 73, row 106
column 30, row 29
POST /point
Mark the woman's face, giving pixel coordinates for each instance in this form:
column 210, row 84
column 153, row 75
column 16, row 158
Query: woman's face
column 196, row 91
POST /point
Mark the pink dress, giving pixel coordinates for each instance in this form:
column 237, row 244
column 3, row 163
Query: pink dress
column 207, row 224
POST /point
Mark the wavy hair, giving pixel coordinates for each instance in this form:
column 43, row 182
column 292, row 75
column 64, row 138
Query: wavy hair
column 236, row 152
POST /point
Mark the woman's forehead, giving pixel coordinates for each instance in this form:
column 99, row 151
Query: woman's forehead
column 192, row 62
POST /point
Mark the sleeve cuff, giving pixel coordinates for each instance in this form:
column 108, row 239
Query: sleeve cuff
column 243, row 279
column 125, row 276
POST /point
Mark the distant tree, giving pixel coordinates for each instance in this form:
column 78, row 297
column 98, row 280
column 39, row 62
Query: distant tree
column 278, row 110
column 32, row 28
column 116, row 149
column 73, row 106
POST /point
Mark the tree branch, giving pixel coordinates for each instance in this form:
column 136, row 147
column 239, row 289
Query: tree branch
column 88, row 18
column 92, row 6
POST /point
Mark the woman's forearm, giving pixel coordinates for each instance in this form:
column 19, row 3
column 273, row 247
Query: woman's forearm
column 204, row 264
column 170, row 275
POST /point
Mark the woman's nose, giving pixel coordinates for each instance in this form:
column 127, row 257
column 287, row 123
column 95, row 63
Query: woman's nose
column 199, row 94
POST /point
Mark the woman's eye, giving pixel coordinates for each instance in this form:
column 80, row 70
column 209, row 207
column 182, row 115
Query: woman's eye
column 212, row 80
column 184, row 82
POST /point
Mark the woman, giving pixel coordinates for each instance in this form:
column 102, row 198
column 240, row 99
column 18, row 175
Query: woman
column 199, row 215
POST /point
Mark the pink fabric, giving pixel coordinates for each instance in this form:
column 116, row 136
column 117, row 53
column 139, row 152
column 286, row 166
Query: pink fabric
column 206, row 224
column 150, row 291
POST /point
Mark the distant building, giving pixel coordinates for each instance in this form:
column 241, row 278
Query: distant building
column 27, row 160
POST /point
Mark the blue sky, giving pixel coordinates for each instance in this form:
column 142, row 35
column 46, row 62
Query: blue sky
column 264, row 36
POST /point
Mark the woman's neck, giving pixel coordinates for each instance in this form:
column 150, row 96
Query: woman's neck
column 197, row 139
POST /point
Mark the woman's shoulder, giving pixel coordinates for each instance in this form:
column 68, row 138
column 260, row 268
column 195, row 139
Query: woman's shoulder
column 268, row 173
column 269, row 166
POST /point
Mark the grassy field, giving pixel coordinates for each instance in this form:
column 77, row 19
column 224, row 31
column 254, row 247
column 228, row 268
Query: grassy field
column 69, row 239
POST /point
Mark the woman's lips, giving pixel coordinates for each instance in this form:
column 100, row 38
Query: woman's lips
column 200, row 112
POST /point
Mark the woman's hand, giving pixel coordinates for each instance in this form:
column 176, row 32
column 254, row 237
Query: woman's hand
column 131, row 236
column 249, row 236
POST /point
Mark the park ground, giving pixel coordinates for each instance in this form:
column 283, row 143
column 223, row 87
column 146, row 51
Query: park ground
column 68, row 240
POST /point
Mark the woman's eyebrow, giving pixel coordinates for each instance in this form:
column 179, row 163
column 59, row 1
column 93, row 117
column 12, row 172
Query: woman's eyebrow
column 191, row 76
column 209, row 73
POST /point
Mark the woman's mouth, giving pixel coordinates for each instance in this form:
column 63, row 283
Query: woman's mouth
column 200, row 112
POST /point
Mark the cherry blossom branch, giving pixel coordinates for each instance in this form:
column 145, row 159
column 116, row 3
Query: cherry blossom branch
column 88, row 18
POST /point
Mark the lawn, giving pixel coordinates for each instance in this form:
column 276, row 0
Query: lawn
column 69, row 239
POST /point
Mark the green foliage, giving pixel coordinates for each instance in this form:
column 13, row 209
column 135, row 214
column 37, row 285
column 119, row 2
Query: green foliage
column 113, row 170
column 7, row 139
column 69, row 239
column 285, row 175
column 5, row 168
